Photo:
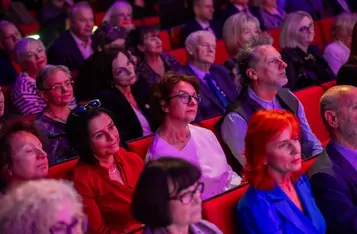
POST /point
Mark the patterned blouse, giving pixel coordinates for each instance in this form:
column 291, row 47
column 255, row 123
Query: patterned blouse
column 144, row 71
column 55, row 141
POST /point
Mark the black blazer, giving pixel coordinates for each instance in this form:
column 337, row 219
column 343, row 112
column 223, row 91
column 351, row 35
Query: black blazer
column 210, row 105
column 230, row 10
column 193, row 26
column 64, row 51
column 125, row 118
column 347, row 75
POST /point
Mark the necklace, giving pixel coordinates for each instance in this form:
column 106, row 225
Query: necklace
column 113, row 171
column 56, row 116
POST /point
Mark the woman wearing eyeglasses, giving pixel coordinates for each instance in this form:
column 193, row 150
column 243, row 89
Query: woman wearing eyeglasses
column 105, row 175
column 176, row 98
column 174, row 206
column 56, row 89
column 306, row 65
column 129, row 97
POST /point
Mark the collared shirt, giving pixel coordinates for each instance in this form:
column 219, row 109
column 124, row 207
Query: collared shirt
column 348, row 153
column 336, row 54
column 205, row 26
column 234, row 129
column 85, row 48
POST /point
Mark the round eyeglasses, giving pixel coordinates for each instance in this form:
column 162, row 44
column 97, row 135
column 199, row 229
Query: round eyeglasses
column 187, row 98
column 187, row 197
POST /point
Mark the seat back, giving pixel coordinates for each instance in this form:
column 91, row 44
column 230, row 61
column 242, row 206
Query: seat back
column 275, row 34
column 180, row 54
column 221, row 52
column 221, row 210
column 310, row 99
column 63, row 170
column 326, row 26
column 140, row 146
column 166, row 41
column 154, row 20
column 319, row 39
column 176, row 34
column 305, row 167
column 328, row 85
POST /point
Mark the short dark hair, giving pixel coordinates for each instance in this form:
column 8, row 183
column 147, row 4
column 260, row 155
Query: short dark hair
column 150, row 203
column 136, row 37
column 162, row 90
column 78, row 133
column 7, row 132
column 105, row 34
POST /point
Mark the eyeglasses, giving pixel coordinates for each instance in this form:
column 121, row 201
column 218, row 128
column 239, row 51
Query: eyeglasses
column 307, row 29
column 62, row 227
column 187, row 197
column 187, row 98
column 60, row 87
column 94, row 104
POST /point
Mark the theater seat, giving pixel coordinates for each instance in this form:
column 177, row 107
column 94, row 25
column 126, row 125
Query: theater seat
column 319, row 39
column 305, row 167
column 180, row 54
column 210, row 123
column 29, row 29
column 166, row 42
column 221, row 52
column 98, row 17
column 275, row 34
column 176, row 36
column 310, row 99
column 328, row 85
column 154, row 20
column 326, row 26
column 63, row 170
column 221, row 210
column 140, row 146
column 6, row 92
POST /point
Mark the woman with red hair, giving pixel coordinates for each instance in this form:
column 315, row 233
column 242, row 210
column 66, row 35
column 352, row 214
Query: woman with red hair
column 275, row 202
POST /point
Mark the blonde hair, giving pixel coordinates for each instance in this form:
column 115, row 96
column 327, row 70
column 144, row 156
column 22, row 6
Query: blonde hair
column 32, row 207
column 289, row 32
column 21, row 49
column 114, row 9
column 342, row 25
column 233, row 27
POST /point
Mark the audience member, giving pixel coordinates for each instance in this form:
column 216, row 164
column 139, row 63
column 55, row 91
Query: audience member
column 9, row 35
column 56, row 88
column 333, row 175
column 336, row 53
column 306, row 65
column 15, row 12
column 314, row 8
column 275, row 202
column 105, row 175
column 236, row 6
column 175, row 205
column 21, row 157
column 176, row 99
column 216, row 85
column 128, row 98
column 203, row 20
column 340, row 6
column 120, row 14
column 74, row 46
column 145, row 43
column 91, row 79
column 30, row 54
column 262, row 74
column 270, row 15
column 42, row 207
column 347, row 73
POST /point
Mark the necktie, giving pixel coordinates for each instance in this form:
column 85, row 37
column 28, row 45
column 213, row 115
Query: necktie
column 217, row 92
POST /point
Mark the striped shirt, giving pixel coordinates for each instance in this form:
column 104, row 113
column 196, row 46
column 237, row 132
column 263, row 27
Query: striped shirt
column 25, row 96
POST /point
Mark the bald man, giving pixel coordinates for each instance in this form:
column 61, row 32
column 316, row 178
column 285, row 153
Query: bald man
column 333, row 176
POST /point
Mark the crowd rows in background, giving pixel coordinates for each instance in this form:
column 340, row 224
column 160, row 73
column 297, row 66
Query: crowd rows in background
column 91, row 94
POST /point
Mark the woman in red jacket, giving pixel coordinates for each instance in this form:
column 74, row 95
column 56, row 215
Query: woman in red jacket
column 106, row 174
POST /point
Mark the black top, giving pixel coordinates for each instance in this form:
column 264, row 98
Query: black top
column 347, row 75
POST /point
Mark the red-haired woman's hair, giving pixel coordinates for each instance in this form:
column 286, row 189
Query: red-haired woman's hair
column 263, row 127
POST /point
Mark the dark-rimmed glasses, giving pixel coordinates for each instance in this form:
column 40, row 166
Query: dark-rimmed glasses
column 306, row 29
column 64, row 228
column 94, row 104
column 187, row 98
column 187, row 197
column 60, row 87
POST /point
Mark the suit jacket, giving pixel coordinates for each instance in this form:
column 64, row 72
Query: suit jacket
column 230, row 10
column 314, row 7
column 335, row 7
column 347, row 73
column 261, row 211
column 64, row 51
column 210, row 104
column 334, row 185
column 193, row 26
column 125, row 118
column 201, row 227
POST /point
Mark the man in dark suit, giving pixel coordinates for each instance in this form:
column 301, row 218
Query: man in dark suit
column 203, row 10
column 236, row 6
column 217, row 88
column 74, row 46
column 333, row 177
column 336, row 7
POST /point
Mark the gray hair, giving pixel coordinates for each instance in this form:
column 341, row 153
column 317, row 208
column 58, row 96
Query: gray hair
column 32, row 207
column 48, row 70
column 343, row 24
column 114, row 9
column 290, row 30
column 75, row 7
column 21, row 49
column 193, row 39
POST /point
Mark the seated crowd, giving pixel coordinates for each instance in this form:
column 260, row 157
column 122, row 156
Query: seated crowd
column 87, row 96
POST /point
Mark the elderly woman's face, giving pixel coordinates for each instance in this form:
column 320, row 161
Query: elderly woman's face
column 249, row 31
column 123, row 71
column 205, row 50
column 35, row 58
column 2, row 103
column 29, row 161
column 284, row 152
column 104, row 136
column 60, row 87
column 123, row 18
column 9, row 37
column 306, row 31
column 185, row 209
column 182, row 104
column 152, row 43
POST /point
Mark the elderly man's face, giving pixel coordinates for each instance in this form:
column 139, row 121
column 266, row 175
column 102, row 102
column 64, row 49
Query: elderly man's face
column 270, row 69
column 205, row 9
column 83, row 22
column 8, row 38
column 205, row 50
column 347, row 115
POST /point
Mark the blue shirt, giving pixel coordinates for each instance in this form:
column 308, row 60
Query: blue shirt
column 348, row 153
column 234, row 129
